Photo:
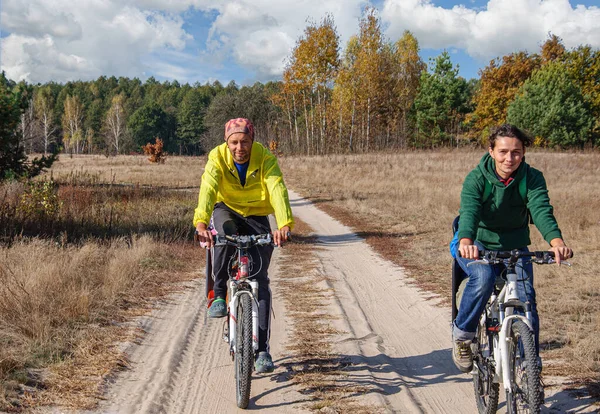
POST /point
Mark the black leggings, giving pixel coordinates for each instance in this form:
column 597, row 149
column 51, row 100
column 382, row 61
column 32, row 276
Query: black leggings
column 227, row 221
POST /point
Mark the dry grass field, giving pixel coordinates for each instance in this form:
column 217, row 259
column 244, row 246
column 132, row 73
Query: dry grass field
column 404, row 204
column 176, row 172
column 80, row 258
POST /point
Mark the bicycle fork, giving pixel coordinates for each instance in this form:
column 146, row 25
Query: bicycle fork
column 233, row 316
column 510, row 302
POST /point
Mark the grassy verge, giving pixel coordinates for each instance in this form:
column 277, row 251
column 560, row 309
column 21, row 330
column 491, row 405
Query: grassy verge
column 79, row 259
column 314, row 364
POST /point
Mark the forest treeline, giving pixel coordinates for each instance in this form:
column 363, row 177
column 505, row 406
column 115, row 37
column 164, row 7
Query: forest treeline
column 373, row 95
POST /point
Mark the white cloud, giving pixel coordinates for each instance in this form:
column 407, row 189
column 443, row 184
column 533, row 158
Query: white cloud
column 174, row 5
column 90, row 38
column 28, row 54
column 260, row 34
column 38, row 19
column 62, row 40
column 505, row 26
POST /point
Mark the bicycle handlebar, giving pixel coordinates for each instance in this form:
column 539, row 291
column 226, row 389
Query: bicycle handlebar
column 540, row 257
column 499, row 256
column 244, row 241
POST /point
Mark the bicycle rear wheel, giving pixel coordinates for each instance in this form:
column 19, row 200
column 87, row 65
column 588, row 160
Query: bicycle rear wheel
column 244, row 354
column 526, row 395
column 487, row 391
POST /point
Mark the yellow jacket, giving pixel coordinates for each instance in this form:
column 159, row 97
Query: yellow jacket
column 264, row 192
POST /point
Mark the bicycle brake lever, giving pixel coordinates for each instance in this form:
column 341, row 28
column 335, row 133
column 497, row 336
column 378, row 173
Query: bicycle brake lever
column 480, row 261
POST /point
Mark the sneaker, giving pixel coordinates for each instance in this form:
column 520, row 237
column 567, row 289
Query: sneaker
column 462, row 355
column 218, row 309
column 264, row 363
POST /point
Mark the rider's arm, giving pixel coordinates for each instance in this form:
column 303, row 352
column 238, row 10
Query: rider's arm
column 278, row 193
column 542, row 214
column 471, row 200
column 539, row 205
column 209, row 186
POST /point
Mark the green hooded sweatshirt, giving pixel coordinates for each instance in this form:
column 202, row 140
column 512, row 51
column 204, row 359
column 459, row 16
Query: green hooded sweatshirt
column 501, row 222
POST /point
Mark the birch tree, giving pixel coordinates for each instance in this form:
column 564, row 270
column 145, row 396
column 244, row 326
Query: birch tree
column 72, row 124
column 44, row 110
column 115, row 123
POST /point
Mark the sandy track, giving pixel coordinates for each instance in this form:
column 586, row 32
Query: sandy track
column 394, row 335
column 183, row 364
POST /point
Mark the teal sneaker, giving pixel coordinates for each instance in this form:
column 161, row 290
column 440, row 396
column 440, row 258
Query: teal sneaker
column 264, row 363
column 218, row 309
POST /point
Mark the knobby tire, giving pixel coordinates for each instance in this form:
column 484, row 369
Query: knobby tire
column 244, row 356
column 525, row 373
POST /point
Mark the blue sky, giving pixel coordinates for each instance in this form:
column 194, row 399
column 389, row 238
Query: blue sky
column 249, row 40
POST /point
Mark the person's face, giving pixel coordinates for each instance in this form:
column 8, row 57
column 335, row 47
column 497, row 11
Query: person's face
column 240, row 146
column 508, row 154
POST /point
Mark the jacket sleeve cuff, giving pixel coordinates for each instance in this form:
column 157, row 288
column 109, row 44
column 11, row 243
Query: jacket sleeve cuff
column 554, row 234
column 466, row 235
column 289, row 223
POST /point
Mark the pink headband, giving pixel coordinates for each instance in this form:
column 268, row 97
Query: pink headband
column 239, row 125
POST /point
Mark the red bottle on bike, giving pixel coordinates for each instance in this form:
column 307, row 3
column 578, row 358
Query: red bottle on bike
column 243, row 267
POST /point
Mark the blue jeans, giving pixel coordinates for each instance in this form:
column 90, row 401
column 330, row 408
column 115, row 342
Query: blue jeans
column 479, row 288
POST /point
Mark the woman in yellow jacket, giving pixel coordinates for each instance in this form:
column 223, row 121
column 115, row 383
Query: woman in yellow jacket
column 241, row 185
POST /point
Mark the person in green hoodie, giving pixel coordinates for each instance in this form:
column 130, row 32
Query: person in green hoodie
column 498, row 219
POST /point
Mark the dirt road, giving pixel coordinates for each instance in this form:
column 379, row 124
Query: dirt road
column 395, row 337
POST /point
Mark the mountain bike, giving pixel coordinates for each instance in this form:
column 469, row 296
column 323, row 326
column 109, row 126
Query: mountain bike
column 240, row 329
column 504, row 348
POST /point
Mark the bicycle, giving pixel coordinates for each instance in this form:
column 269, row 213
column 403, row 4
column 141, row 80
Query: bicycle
column 504, row 345
column 240, row 329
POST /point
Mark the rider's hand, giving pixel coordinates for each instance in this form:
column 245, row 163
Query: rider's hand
column 467, row 249
column 281, row 235
column 560, row 249
column 204, row 235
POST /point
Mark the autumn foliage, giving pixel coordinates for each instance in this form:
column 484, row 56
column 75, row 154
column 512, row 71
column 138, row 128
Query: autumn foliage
column 499, row 83
column 155, row 151
column 273, row 145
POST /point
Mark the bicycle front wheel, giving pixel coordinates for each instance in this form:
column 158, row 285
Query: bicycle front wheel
column 526, row 394
column 244, row 354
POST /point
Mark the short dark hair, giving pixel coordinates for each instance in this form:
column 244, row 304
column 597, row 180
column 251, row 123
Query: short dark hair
column 509, row 131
